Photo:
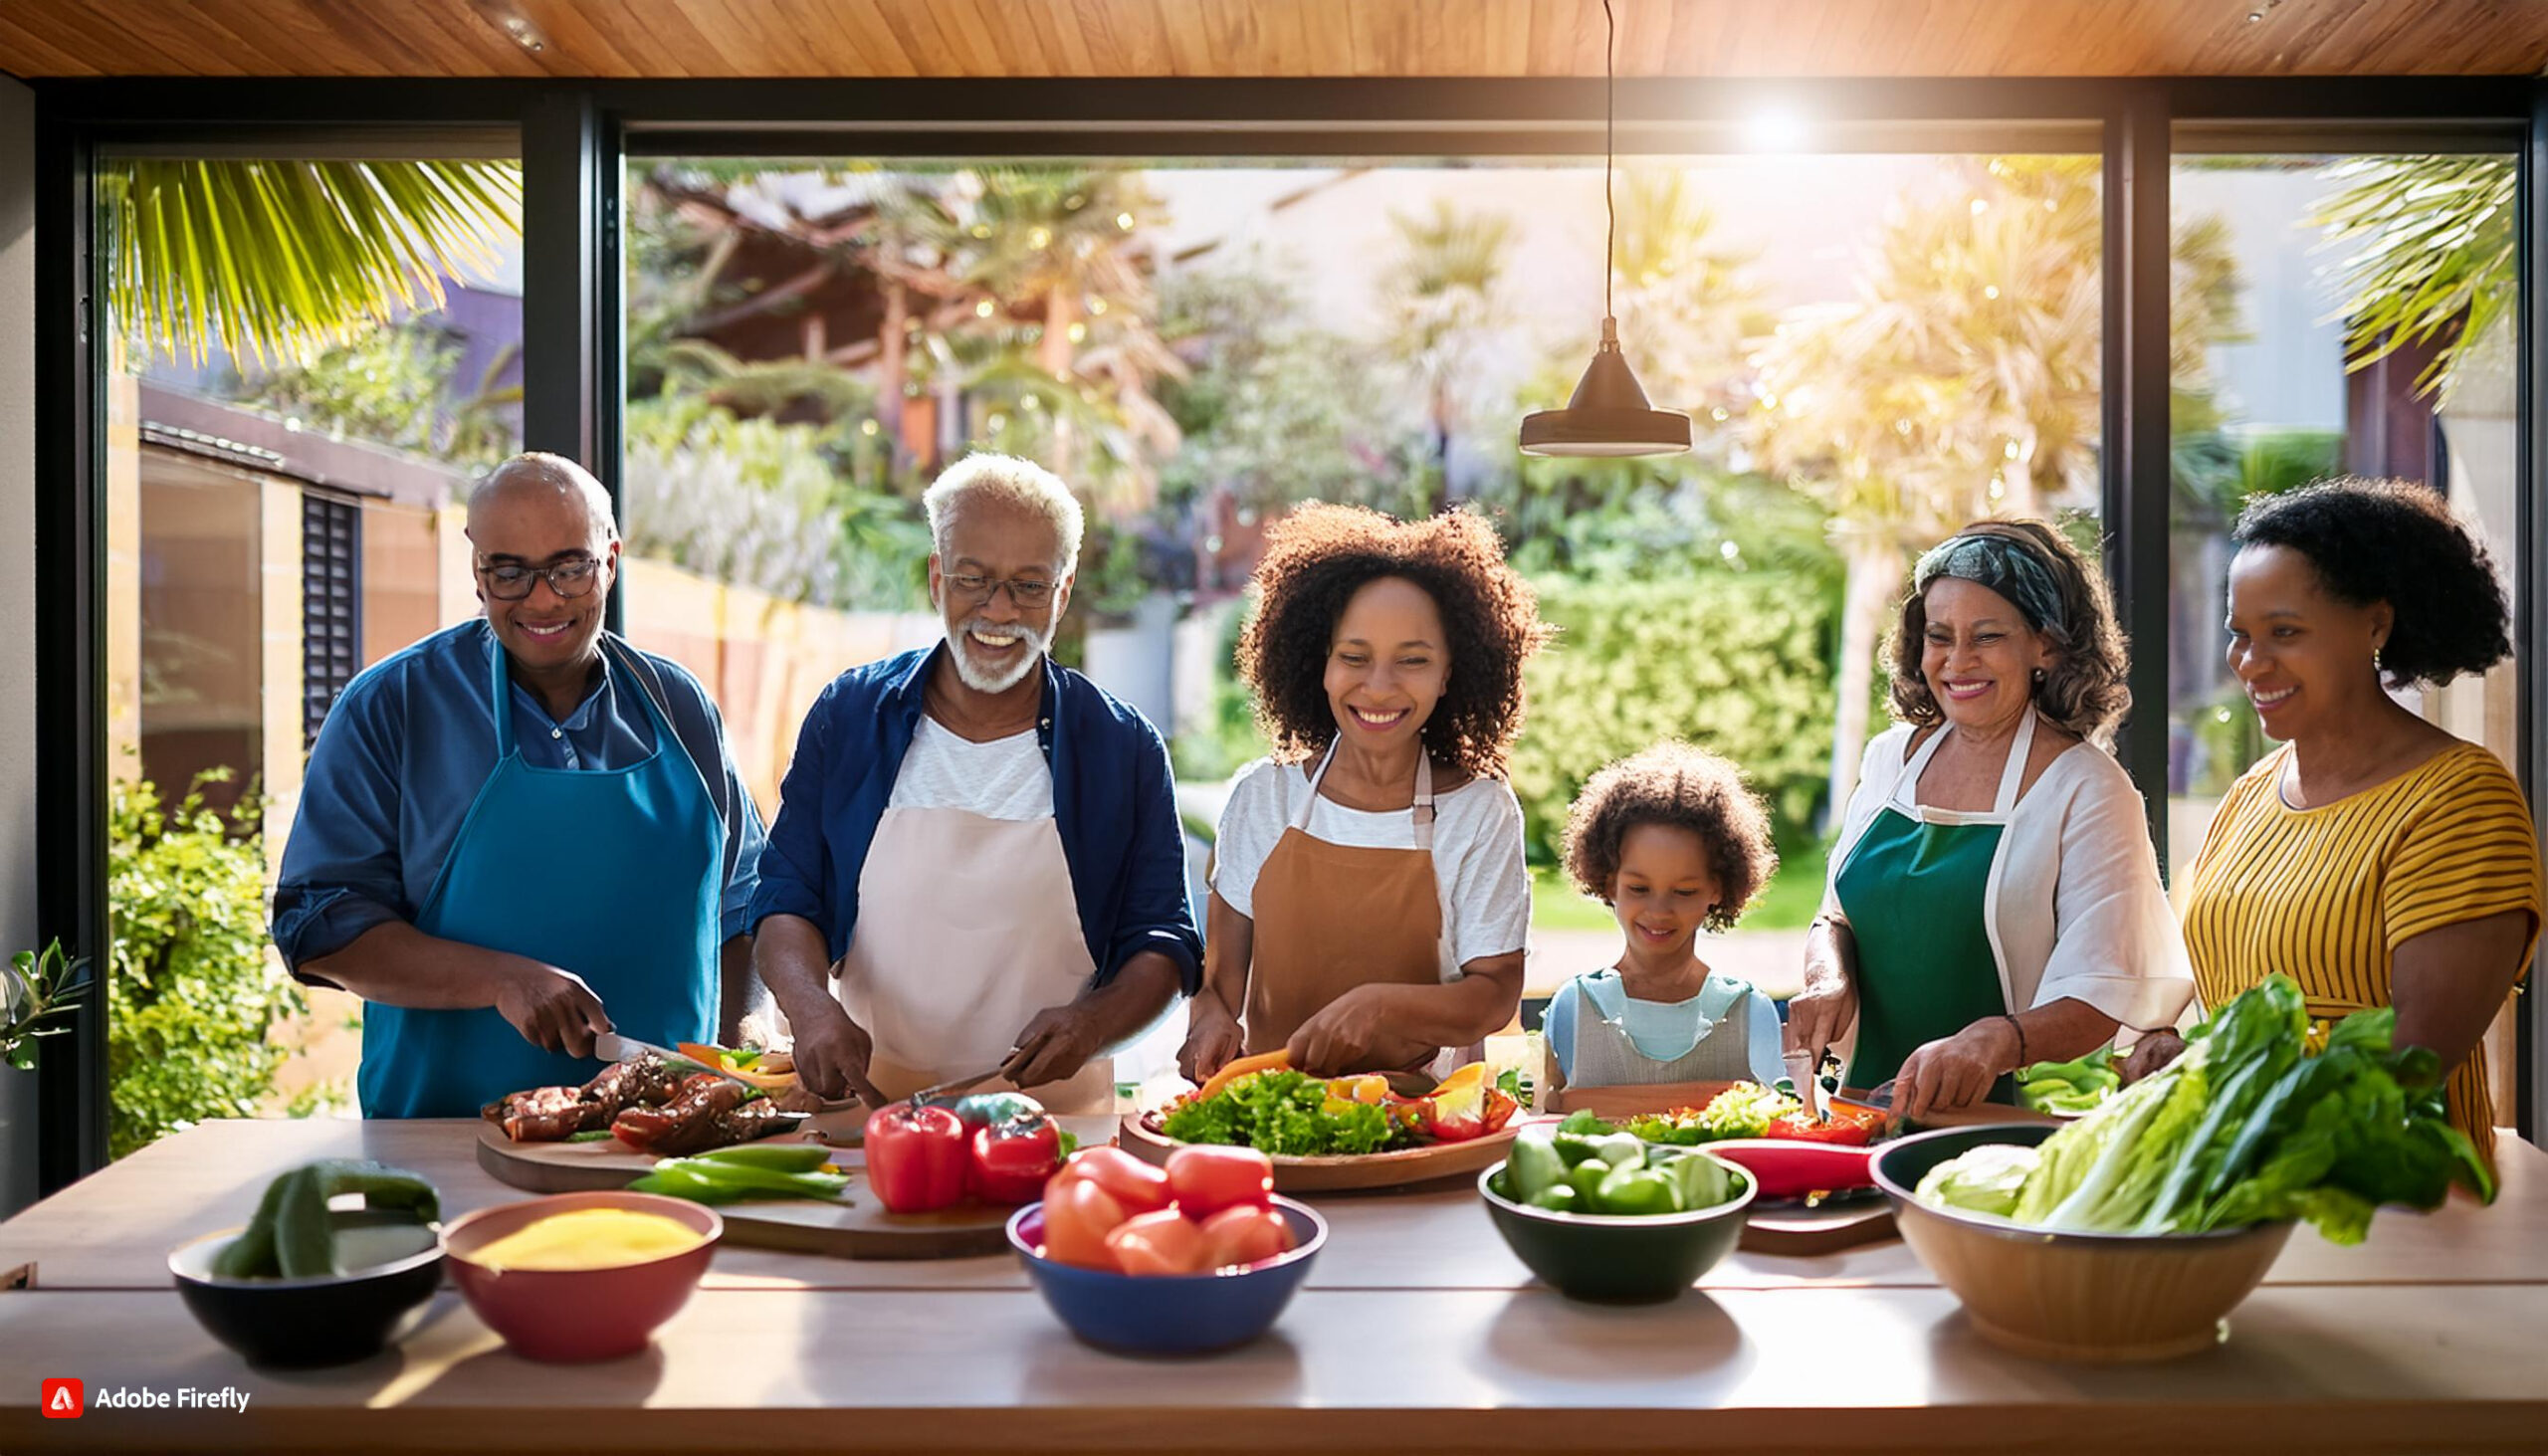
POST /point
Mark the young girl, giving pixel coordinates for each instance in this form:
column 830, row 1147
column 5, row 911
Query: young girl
column 1672, row 841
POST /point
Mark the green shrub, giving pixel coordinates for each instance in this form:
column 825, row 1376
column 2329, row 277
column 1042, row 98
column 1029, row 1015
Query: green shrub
column 192, row 992
column 1737, row 662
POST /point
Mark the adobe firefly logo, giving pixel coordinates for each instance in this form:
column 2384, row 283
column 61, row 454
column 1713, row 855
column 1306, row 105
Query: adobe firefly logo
column 63, row 1400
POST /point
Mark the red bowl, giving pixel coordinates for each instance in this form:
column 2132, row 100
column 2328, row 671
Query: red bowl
column 577, row 1315
column 1790, row 1169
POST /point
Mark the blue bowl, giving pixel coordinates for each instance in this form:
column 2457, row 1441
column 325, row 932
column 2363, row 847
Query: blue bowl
column 1193, row 1314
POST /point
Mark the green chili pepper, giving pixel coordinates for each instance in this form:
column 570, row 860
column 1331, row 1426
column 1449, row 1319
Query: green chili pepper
column 748, row 1180
column 291, row 1235
column 677, row 1183
column 785, row 1157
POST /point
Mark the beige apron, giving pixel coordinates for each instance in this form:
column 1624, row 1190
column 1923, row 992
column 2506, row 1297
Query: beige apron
column 967, row 929
column 1333, row 917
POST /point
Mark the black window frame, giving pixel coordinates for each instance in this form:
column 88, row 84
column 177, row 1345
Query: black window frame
column 576, row 137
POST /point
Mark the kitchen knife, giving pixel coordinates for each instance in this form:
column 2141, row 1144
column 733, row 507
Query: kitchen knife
column 948, row 1089
column 1881, row 1098
column 1809, row 1084
column 610, row 1046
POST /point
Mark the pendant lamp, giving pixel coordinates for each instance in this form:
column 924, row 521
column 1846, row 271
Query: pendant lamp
column 1609, row 414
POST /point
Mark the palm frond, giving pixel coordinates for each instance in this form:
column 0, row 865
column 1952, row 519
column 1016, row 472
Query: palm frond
column 2429, row 256
column 269, row 259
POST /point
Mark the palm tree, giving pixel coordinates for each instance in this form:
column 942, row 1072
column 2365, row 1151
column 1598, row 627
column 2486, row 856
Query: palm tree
column 1962, row 381
column 1439, row 304
column 272, row 259
column 1060, row 248
column 1688, row 306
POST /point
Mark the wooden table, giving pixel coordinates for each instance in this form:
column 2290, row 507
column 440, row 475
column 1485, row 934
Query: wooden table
column 1418, row 1330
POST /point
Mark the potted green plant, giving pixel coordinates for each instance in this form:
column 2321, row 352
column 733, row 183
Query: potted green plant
column 38, row 989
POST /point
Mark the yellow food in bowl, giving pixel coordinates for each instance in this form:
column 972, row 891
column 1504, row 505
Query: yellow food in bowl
column 588, row 1238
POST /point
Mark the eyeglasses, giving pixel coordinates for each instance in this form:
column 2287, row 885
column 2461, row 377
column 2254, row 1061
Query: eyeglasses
column 573, row 577
column 1028, row 593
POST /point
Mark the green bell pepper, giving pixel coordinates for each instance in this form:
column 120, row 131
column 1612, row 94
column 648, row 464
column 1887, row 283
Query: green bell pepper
column 1585, row 1178
column 1699, row 1182
column 1534, row 1167
column 1557, row 1199
column 1637, row 1192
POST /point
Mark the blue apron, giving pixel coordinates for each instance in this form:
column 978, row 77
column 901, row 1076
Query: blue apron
column 611, row 874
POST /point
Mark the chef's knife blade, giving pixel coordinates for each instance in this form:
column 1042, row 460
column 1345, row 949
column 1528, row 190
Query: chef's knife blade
column 610, row 1046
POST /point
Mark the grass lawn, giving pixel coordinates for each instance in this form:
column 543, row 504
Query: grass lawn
column 1788, row 903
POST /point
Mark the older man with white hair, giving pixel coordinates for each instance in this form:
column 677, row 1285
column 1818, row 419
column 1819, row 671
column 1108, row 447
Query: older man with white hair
column 520, row 832
column 976, row 862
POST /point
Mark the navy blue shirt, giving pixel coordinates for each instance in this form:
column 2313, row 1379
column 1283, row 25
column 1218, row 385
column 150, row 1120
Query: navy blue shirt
column 1113, row 806
column 409, row 743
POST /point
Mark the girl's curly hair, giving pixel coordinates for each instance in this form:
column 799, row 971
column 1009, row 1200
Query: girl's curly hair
column 1682, row 787
column 1318, row 556
column 2085, row 690
column 2396, row 541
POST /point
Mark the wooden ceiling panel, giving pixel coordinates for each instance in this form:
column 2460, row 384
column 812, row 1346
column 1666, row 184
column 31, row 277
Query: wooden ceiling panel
column 1245, row 38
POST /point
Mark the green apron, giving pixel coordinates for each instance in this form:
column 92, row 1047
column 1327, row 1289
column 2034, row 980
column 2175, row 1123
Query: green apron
column 1916, row 889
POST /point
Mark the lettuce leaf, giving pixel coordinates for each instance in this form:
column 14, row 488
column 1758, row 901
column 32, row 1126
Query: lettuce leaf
column 1985, row 1179
column 1281, row 1114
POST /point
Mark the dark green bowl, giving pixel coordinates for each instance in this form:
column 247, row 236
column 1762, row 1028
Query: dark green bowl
column 1609, row 1259
column 323, row 1319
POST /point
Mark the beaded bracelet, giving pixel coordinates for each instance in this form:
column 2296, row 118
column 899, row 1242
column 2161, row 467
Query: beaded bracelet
column 2013, row 1025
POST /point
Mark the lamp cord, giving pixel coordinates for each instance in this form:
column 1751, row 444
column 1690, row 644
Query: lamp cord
column 1609, row 153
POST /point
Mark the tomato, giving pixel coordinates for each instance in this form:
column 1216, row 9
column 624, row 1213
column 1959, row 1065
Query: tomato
column 1137, row 1185
column 1167, row 1242
column 1209, row 1179
column 1077, row 1218
column 1246, row 1235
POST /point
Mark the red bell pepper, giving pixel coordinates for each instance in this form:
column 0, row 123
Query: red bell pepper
column 1464, row 1112
column 1011, row 1159
column 917, row 1158
column 1843, row 1130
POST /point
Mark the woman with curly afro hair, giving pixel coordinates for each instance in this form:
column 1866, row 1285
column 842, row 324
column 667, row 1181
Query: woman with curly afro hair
column 2373, row 857
column 1369, row 903
column 1674, row 843
column 1994, row 898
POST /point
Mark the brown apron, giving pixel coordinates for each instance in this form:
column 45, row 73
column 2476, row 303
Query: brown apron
column 1333, row 917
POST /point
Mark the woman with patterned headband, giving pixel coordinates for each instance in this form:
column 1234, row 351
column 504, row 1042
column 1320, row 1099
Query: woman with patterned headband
column 1994, row 900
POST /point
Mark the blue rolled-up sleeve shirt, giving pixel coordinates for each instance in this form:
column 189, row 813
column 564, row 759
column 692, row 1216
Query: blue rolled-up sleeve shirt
column 411, row 740
column 1114, row 807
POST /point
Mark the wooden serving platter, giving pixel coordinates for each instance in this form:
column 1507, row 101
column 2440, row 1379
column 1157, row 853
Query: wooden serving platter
column 856, row 1226
column 1350, row 1172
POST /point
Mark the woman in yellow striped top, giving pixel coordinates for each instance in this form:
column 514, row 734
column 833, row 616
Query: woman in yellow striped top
column 2374, row 858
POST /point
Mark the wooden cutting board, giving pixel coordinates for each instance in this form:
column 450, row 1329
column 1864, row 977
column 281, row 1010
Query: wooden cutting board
column 1358, row 1172
column 856, row 1226
column 1798, row 1232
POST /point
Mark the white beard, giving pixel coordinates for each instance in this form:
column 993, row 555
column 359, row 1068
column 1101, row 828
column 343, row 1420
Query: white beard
column 985, row 680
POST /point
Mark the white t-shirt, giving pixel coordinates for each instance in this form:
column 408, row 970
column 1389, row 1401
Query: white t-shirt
column 1479, row 870
column 1005, row 779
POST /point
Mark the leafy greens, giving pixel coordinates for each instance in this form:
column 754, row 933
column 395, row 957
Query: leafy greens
column 1287, row 1113
column 2244, row 1127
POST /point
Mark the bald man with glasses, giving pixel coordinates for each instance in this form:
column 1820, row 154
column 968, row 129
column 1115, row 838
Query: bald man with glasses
column 520, row 832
